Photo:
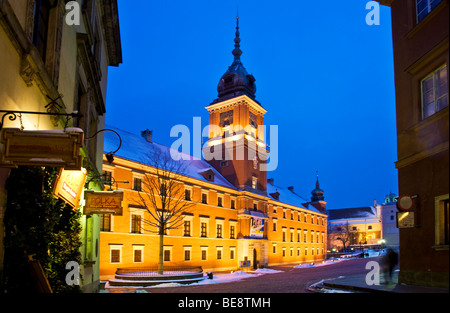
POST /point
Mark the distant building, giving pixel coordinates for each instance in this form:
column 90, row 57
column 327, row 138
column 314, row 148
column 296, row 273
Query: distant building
column 390, row 234
column 355, row 228
column 420, row 31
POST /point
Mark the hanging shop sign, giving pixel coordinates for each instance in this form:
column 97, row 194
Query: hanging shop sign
column 405, row 220
column 53, row 148
column 103, row 202
column 69, row 186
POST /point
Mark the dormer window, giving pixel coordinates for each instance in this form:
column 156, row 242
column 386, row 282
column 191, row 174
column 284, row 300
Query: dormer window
column 208, row 174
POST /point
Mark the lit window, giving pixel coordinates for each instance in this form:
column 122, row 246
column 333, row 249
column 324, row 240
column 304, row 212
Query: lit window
column 219, row 230
column 232, row 231
column 135, row 224
column 423, row 7
column 105, row 222
column 187, row 228
column 203, row 229
column 434, row 92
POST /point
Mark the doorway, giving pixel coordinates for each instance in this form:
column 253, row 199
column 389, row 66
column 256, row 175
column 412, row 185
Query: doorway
column 255, row 259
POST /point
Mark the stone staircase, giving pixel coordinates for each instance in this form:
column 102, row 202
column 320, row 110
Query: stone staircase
column 135, row 280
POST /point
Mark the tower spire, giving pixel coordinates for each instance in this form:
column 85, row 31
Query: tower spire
column 317, row 193
column 237, row 52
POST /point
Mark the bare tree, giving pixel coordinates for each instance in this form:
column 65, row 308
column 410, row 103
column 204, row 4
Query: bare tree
column 162, row 195
column 343, row 233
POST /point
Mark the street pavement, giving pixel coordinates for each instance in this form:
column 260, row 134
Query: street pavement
column 357, row 283
column 348, row 275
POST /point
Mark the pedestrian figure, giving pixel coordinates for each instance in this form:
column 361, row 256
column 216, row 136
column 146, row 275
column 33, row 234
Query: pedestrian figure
column 389, row 261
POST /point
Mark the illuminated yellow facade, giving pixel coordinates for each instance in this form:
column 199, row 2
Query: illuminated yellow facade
column 237, row 219
column 218, row 232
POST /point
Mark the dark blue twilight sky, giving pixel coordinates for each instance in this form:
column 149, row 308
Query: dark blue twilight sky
column 324, row 76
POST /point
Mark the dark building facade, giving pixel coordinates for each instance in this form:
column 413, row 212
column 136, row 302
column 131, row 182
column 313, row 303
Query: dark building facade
column 420, row 42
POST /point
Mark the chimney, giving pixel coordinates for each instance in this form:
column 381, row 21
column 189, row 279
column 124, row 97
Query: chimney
column 270, row 181
column 291, row 188
column 276, row 195
column 148, row 135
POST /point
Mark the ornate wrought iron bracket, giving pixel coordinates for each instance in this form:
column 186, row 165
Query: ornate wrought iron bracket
column 108, row 181
column 14, row 114
column 110, row 155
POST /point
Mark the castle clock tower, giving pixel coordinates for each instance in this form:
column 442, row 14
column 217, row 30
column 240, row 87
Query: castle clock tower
column 236, row 145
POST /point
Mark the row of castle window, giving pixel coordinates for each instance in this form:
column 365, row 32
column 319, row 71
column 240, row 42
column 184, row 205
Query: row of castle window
column 137, row 186
column 318, row 236
column 136, row 222
column 138, row 253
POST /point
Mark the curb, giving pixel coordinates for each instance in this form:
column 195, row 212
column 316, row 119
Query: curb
column 357, row 288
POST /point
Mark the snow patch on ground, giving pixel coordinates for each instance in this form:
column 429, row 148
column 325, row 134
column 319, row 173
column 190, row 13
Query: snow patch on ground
column 324, row 263
column 217, row 279
column 239, row 275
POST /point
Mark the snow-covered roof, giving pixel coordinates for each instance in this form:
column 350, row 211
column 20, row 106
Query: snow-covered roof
column 352, row 213
column 138, row 149
column 288, row 197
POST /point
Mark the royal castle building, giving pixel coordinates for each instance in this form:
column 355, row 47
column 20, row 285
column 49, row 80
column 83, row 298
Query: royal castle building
column 235, row 216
